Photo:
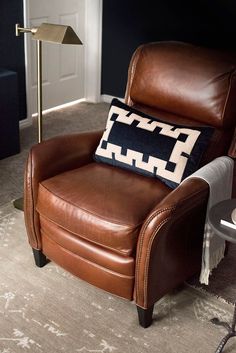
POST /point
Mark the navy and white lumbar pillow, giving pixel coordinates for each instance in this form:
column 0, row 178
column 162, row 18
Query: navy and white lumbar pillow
column 136, row 141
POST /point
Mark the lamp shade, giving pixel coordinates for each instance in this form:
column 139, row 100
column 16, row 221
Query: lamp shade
column 48, row 32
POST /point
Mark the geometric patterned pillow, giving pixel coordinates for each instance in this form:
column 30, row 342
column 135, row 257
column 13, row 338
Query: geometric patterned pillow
column 136, row 141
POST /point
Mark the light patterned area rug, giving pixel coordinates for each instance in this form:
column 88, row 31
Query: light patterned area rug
column 48, row 310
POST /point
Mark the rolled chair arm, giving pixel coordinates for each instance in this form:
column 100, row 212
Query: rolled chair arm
column 170, row 242
column 47, row 159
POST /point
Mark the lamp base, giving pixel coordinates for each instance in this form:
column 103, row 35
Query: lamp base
column 19, row 204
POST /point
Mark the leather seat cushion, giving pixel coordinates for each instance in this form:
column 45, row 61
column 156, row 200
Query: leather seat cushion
column 102, row 204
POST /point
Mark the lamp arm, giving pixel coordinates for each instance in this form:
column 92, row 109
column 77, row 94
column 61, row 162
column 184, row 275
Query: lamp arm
column 24, row 30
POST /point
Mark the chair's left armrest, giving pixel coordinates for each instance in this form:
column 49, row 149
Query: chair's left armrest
column 61, row 153
column 47, row 159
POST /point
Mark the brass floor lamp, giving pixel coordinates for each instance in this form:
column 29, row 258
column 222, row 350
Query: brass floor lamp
column 46, row 32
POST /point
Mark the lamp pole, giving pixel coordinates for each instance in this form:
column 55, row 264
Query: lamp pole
column 39, row 89
column 39, row 76
column 46, row 32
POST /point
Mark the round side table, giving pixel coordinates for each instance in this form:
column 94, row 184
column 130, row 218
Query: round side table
column 223, row 210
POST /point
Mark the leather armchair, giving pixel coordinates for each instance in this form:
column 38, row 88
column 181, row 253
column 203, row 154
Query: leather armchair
column 128, row 234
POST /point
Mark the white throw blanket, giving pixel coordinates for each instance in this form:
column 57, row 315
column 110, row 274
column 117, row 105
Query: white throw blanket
column 219, row 175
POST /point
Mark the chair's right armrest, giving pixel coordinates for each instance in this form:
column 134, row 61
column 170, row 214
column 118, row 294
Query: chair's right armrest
column 47, row 159
column 170, row 241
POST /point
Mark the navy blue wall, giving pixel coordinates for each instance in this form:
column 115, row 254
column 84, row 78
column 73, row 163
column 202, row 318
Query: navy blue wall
column 12, row 47
column 129, row 23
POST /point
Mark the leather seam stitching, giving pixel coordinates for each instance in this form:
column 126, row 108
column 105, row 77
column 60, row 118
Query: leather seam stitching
column 227, row 96
column 133, row 70
column 148, row 256
column 173, row 207
column 141, row 245
column 151, row 241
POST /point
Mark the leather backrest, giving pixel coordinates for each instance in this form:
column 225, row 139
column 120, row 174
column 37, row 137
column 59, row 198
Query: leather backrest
column 185, row 80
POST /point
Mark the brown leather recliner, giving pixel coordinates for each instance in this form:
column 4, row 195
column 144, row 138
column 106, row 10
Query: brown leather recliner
column 129, row 234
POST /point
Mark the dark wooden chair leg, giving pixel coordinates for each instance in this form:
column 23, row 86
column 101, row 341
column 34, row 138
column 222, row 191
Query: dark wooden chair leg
column 145, row 316
column 39, row 258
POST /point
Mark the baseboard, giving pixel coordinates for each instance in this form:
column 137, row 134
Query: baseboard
column 25, row 123
column 28, row 121
column 106, row 98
